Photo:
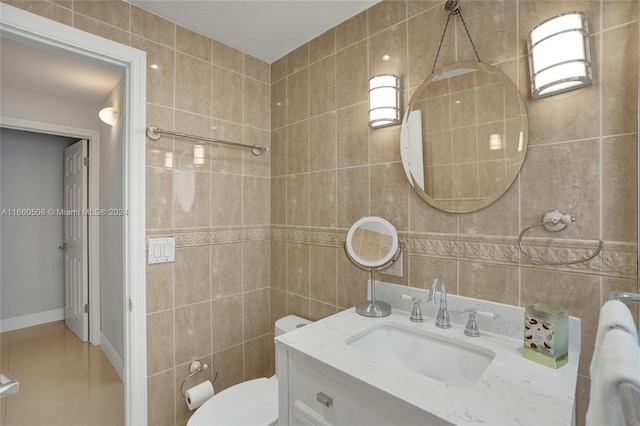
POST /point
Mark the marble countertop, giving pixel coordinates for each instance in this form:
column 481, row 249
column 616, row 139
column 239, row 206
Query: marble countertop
column 512, row 391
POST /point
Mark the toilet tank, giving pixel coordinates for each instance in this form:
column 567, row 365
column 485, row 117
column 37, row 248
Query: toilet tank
column 289, row 323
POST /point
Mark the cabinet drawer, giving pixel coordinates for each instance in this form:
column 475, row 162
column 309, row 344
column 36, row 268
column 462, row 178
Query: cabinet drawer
column 323, row 396
column 307, row 383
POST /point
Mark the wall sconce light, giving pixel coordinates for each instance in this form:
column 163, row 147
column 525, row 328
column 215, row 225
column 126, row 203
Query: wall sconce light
column 559, row 55
column 384, row 100
column 198, row 155
column 109, row 115
column 495, row 142
column 168, row 160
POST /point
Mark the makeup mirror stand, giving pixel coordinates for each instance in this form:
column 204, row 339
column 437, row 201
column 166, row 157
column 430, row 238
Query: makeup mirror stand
column 372, row 245
column 373, row 308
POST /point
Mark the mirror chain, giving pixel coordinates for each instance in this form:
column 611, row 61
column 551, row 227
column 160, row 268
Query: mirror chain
column 453, row 8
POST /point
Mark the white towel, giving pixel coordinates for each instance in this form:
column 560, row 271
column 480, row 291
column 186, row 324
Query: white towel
column 613, row 314
column 619, row 361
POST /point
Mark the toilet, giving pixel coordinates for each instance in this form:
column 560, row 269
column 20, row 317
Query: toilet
column 254, row 402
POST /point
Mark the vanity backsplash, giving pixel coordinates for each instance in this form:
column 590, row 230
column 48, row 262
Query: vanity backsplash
column 499, row 318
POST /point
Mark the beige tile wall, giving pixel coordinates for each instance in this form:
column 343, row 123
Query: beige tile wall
column 216, row 307
column 328, row 169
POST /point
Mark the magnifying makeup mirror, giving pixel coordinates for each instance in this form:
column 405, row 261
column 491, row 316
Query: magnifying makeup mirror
column 372, row 244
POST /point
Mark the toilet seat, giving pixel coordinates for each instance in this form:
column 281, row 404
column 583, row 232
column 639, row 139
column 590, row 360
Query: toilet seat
column 250, row 403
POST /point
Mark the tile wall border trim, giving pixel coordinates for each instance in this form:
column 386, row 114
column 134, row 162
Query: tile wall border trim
column 618, row 259
column 208, row 236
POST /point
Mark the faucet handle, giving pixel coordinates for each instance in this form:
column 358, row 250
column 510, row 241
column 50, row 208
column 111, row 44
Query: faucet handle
column 416, row 312
column 472, row 328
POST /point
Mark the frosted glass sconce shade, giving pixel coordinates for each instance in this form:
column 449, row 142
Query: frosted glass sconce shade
column 559, row 55
column 384, row 100
column 109, row 115
column 198, row 155
column 168, row 160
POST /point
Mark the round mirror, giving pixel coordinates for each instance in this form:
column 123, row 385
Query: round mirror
column 372, row 243
column 464, row 137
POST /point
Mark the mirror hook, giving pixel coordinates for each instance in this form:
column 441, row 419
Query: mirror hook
column 452, row 6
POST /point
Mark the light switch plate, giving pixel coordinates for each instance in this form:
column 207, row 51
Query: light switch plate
column 162, row 250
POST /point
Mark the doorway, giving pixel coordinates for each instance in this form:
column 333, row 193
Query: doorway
column 33, row 270
column 56, row 37
column 37, row 217
column 38, row 257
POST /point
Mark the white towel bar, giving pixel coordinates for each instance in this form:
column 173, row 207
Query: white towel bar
column 624, row 297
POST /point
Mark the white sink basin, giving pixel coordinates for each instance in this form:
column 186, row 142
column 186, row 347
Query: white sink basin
column 448, row 360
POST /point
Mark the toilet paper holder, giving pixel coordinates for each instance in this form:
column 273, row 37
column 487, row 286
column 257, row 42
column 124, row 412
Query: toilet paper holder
column 194, row 368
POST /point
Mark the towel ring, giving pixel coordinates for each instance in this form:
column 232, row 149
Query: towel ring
column 555, row 221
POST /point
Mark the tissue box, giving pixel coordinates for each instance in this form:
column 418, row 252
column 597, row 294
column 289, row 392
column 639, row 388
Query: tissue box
column 546, row 335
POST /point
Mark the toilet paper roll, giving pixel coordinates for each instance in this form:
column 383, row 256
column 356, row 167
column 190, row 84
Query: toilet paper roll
column 199, row 394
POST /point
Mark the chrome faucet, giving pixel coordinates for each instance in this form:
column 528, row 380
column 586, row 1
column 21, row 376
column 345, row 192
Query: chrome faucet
column 442, row 319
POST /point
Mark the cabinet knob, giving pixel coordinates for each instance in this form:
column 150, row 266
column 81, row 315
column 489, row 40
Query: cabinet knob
column 324, row 399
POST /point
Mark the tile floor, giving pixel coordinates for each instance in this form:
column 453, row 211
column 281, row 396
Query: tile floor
column 62, row 380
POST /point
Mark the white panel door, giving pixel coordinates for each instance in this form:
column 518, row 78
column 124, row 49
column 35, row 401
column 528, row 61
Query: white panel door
column 76, row 268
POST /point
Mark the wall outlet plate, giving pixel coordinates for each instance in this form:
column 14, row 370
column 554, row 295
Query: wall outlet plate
column 396, row 267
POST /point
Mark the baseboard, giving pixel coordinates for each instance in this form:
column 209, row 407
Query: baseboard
column 112, row 355
column 24, row 321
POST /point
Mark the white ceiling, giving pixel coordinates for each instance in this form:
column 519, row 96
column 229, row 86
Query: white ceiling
column 266, row 29
column 54, row 72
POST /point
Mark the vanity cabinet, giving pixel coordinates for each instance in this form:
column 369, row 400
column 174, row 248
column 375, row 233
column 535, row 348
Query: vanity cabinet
column 314, row 394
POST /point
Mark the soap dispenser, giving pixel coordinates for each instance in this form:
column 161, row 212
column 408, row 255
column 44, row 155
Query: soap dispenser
column 546, row 335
